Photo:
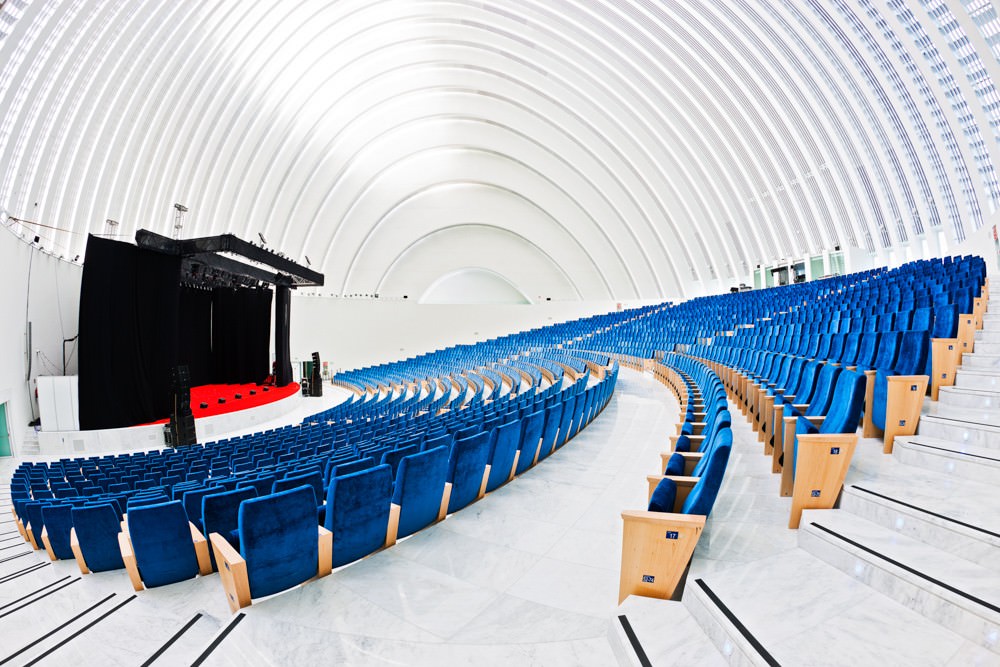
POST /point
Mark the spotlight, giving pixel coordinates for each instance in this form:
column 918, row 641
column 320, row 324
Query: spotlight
column 308, row 261
column 262, row 239
column 37, row 239
column 76, row 259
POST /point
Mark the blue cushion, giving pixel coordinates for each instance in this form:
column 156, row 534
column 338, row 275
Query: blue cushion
column 161, row 541
column 97, row 528
column 663, row 496
column 278, row 539
column 701, row 499
column 553, row 417
column 419, row 487
column 675, row 466
column 220, row 514
column 466, row 466
column 503, row 444
column 683, row 444
column 357, row 512
column 531, row 434
column 58, row 523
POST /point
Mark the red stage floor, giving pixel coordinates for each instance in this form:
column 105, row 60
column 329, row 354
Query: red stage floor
column 211, row 393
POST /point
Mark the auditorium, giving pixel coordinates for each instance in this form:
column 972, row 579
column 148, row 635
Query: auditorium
column 500, row 332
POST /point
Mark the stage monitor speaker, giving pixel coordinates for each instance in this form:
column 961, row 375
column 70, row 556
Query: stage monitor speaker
column 181, row 426
column 316, row 381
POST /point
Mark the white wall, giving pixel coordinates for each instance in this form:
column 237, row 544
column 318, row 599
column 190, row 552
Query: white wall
column 51, row 301
column 981, row 243
column 354, row 333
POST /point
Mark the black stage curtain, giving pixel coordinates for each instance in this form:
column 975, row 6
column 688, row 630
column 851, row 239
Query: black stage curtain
column 241, row 319
column 128, row 341
column 194, row 335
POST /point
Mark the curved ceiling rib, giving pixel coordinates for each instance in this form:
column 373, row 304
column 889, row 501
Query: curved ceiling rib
column 616, row 149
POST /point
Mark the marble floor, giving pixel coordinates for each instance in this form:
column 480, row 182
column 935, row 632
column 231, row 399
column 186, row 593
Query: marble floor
column 528, row 575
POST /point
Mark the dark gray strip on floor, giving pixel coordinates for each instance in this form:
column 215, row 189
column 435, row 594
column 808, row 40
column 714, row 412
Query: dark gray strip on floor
column 926, row 511
column 44, row 595
column 25, row 597
column 170, row 642
column 57, row 629
column 21, row 573
column 80, row 631
column 26, row 553
column 742, row 629
column 911, row 570
column 634, row 641
column 218, row 640
column 952, row 451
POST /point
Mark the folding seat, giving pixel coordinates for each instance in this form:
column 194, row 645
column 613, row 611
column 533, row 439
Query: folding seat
column 220, row 514
column 357, row 513
column 815, row 405
column 678, row 508
column 419, row 497
column 262, row 484
column 837, row 343
column 393, row 457
column 467, row 473
column 819, row 453
column 313, row 479
column 141, row 500
column 352, row 467
column 35, row 523
column 502, row 453
column 866, row 351
column 531, row 436
column 281, row 546
column 895, row 393
column 162, row 547
column 192, row 503
column 565, row 431
column 56, row 533
column 94, row 538
column 550, row 431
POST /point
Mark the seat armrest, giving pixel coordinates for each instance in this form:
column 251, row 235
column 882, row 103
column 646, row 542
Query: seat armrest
column 232, row 573
column 200, row 550
column 128, row 557
column 74, row 544
column 325, row 538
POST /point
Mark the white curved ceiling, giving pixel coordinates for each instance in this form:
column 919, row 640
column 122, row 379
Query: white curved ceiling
column 613, row 149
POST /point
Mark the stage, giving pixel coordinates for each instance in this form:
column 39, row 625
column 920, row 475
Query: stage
column 57, row 399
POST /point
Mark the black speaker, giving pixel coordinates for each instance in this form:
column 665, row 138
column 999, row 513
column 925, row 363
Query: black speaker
column 181, row 426
column 316, row 381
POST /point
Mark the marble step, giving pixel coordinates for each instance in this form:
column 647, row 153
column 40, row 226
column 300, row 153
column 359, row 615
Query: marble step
column 792, row 605
column 943, row 522
column 664, row 631
column 987, row 347
column 987, row 335
column 978, row 378
column 959, row 595
column 958, row 430
column 965, row 397
column 980, row 464
column 980, row 359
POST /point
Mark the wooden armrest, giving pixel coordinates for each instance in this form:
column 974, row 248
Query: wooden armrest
column 816, row 420
column 232, row 573
column 392, row 530
column 200, row 550
column 683, row 482
column 128, row 557
column 48, row 544
column 656, row 548
column 325, row 538
column 74, row 544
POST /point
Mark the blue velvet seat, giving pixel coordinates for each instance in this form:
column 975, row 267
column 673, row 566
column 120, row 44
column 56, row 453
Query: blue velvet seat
column 262, row 484
column 394, row 456
column 912, row 360
column 357, row 512
column 94, row 538
column 56, row 534
column 503, row 448
column 844, row 416
column 531, row 435
column 550, row 431
column 162, row 547
column 419, row 489
column 466, row 469
column 313, row 479
column 220, row 514
column 701, row 497
column 281, row 546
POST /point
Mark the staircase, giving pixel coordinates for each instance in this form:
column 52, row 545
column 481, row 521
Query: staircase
column 905, row 572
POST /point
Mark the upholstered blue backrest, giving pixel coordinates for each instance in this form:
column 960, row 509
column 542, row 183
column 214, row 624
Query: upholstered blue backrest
column 97, row 528
column 819, row 403
column 945, row 321
column 445, row 439
column 851, row 346
column 553, row 417
column 504, row 448
column 923, row 319
column 220, row 514
column 161, row 541
column 394, row 456
column 867, row 351
column 357, row 512
column 314, row 479
column 58, row 522
column 807, row 380
column 888, row 350
column 794, row 370
column 262, row 484
column 702, row 497
column 35, row 521
column 566, row 422
column 466, row 466
column 837, row 347
column 846, row 405
column 664, row 496
column 192, row 503
column 353, row 466
column 913, row 348
column 419, row 487
column 279, row 540
column 531, row 433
